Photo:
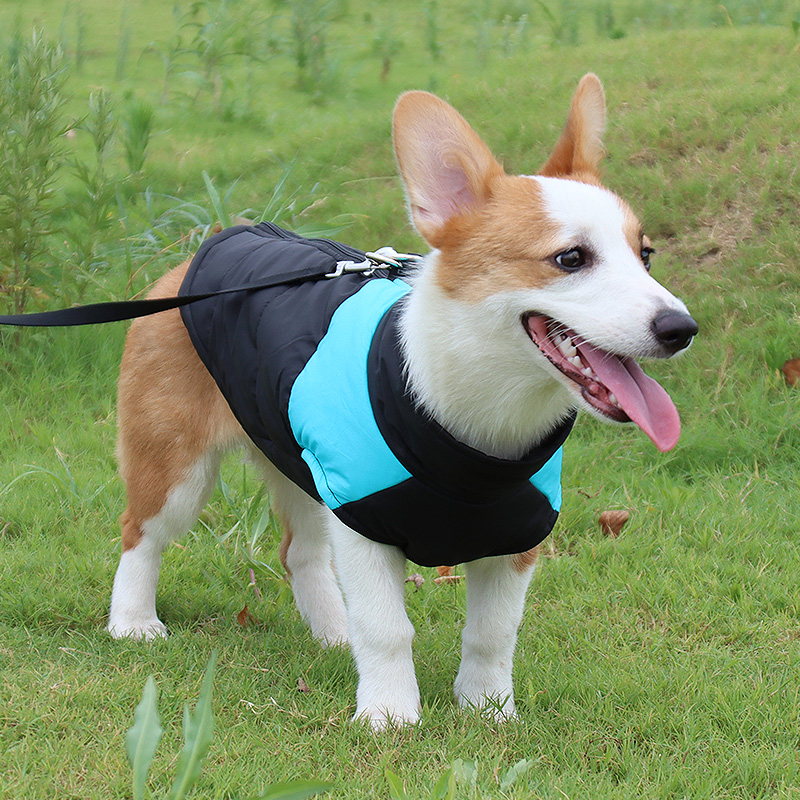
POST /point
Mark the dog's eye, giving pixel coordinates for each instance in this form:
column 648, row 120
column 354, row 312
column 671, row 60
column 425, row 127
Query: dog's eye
column 570, row 260
column 645, row 254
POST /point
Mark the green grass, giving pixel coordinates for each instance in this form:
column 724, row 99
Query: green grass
column 663, row 664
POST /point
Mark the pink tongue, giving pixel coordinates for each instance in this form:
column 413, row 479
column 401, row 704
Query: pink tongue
column 642, row 398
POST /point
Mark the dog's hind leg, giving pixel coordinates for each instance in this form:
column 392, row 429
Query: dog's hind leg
column 133, row 599
column 496, row 589
column 306, row 556
column 174, row 426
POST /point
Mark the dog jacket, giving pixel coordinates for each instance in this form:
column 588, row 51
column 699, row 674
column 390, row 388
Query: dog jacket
column 313, row 371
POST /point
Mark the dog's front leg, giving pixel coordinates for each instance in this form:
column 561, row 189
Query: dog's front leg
column 372, row 579
column 496, row 590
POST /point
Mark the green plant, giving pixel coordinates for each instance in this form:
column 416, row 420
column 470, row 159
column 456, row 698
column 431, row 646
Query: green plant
column 92, row 207
column 219, row 31
column 137, row 127
column 443, row 789
column 169, row 51
column 514, row 34
column 142, row 739
column 564, row 26
column 31, row 153
column 386, row 45
column 432, row 43
column 310, row 20
column 463, row 774
column 123, row 42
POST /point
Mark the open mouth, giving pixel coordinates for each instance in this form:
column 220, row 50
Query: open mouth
column 615, row 386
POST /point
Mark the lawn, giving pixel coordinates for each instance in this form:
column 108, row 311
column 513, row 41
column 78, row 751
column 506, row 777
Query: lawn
column 664, row 663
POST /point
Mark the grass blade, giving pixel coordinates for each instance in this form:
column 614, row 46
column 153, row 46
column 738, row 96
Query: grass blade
column 198, row 731
column 293, row 790
column 397, row 790
column 445, row 788
column 216, row 202
column 142, row 739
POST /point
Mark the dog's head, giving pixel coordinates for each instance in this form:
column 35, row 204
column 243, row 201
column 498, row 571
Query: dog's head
column 561, row 262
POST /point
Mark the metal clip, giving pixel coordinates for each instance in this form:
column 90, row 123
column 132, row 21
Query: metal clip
column 346, row 267
column 388, row 256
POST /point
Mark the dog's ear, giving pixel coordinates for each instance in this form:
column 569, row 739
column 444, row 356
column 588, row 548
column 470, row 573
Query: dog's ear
column 447, row 169
column 580, row 148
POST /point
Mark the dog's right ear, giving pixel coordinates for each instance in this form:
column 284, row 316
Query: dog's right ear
column 448, row 171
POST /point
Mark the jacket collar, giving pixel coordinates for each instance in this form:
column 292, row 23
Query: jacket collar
column 425, row 448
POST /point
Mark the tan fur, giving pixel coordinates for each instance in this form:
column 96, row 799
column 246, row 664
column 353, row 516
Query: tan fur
column 511, row 233
column 580, row 148
column 499, row 220
column 419, row 117
column 286, row 541
column 522, row 562
column 165, row 395
column 632, row 229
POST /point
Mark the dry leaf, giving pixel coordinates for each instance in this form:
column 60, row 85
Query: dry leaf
column 444, row 571
column 416, row 579
column 612, row 522
column 244, row 617
column 302, row 686
column 791, row 371
column 449, row 579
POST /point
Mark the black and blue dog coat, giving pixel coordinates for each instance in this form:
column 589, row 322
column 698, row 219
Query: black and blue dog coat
column 313, row 371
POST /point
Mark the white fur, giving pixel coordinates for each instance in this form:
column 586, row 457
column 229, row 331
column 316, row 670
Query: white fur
column 133, row 599
column 467, row 359
column 495, row 601
column 372, row 576
column 592, row 217
column 473, row 367
column 309, row 559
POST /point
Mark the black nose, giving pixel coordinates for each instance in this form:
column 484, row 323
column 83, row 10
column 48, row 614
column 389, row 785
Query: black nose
column 674, row 330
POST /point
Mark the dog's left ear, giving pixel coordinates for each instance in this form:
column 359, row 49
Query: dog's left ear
column 448, row 171
column 580, row 148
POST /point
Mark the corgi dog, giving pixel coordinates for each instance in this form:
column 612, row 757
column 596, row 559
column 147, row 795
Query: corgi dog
column 534, row 302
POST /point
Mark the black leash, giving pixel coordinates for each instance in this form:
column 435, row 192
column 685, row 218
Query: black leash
column 116, row 311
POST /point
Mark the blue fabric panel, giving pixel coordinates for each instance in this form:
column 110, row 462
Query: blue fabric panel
column 329, row 406
column 548, row 479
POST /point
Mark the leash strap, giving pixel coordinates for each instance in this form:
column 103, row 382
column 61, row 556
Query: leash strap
column 116, row 311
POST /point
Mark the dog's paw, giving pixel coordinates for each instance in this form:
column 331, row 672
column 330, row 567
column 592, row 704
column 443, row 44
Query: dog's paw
column 382, row 718
column 139, row 630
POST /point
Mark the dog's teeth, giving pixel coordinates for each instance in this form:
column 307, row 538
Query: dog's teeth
column 567, row 348
column 576, row 361
column 612, row 398
column 587, row 371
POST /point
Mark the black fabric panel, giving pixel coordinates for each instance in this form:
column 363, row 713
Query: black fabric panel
column 433, row 529
column 426, row 449
column 255, row 343
column 460, row 504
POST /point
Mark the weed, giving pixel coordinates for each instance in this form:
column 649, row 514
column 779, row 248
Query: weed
column 386, row 45
column 310, row 20
column 142, row 740
column 219, row 32
column 564, row 25
column 123, row 42
column 31, row 153
column 432, row 30
column 137, row 126
column 92, row 206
